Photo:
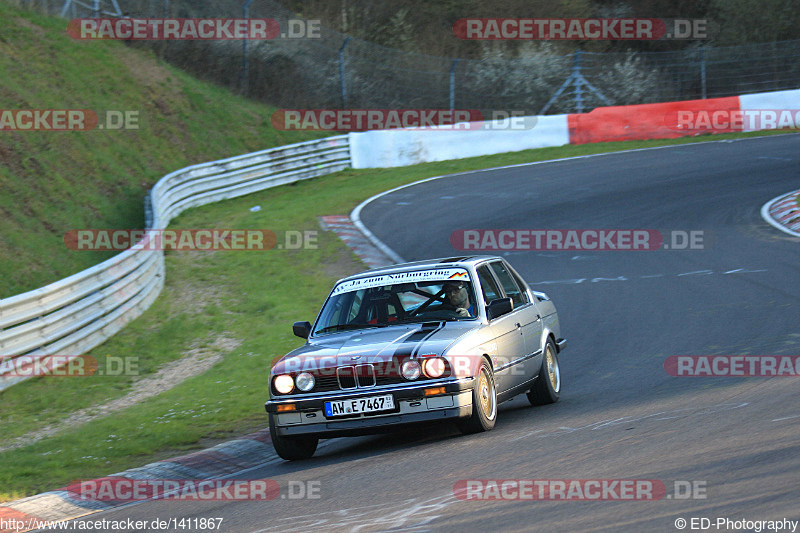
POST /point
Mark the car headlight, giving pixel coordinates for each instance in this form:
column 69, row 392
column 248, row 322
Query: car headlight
column 410, row 369
column 284, row 383
column 433, row 367
column 304, row 382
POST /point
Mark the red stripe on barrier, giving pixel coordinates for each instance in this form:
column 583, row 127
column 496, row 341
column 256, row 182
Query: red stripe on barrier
column 645, row 121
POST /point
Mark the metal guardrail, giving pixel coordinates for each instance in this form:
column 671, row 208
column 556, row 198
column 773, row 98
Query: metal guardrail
column 80, row 312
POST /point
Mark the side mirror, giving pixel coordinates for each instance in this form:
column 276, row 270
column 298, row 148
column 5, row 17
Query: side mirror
column 499, row 307
column 302, row 329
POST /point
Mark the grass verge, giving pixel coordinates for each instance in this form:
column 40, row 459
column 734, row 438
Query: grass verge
column 246, row 298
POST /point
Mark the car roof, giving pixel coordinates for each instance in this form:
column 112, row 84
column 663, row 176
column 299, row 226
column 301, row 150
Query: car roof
column 442, row 262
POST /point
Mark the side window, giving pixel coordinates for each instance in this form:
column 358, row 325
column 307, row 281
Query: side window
column 488, row 286
column 509, row 285
column 521, row 284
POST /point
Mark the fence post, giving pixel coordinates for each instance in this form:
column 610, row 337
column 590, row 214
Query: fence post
column 576, row 72
column 703, row 70
column 245, row 72
column 96, row 9
column 341, row 73
column 65, row 8
column 453, row 85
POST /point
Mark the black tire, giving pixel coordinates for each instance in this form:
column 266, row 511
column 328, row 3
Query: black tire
column 484, row 402
column 547, row 387
column 292, row 448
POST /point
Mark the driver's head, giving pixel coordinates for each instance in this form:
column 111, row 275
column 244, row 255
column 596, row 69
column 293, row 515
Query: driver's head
column 456, row 293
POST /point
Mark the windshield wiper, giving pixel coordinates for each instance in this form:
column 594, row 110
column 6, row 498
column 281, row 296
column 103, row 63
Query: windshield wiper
column 344, row 327
column 420, row 319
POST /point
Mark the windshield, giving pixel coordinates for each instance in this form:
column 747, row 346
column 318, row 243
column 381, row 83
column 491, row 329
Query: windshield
column 379, row 301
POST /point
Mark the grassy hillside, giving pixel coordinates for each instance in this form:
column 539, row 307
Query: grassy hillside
column 51, row 182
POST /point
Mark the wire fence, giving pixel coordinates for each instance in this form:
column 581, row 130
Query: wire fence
column 337, row 71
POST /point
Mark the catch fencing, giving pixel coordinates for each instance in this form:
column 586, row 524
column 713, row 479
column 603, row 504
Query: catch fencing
column 336, row 71
column 74, row 315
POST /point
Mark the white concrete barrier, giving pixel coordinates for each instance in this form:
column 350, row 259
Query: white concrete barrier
column 403, row 147
column 774, row 101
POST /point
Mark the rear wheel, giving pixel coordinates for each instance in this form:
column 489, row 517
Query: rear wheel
column 484, row 402
column 547, row 386
column 291, row 448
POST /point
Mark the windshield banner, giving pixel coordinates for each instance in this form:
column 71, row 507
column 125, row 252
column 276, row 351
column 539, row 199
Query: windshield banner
column 439, row 274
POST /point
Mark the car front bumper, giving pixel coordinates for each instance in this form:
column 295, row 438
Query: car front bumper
column 412, row 406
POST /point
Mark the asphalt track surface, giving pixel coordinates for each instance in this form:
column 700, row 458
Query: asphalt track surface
column 621, row 416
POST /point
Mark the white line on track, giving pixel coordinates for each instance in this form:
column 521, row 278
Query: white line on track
column 661, row 415
column 576, row 281
column 785, row 418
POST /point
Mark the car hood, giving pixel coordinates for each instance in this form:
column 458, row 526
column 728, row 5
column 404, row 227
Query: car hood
column 374, row 345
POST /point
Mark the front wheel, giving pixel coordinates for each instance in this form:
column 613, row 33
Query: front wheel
column 484, row 402
column 291, row 448
column 547, row 386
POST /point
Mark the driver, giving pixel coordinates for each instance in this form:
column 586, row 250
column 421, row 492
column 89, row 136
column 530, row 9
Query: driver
column 457, row 295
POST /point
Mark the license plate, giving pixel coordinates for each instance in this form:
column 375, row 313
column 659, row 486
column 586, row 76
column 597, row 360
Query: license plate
column 370, row 404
